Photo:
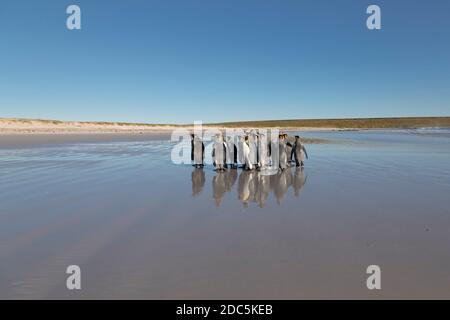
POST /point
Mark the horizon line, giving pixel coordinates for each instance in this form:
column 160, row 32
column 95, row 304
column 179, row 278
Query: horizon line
column 55, row 121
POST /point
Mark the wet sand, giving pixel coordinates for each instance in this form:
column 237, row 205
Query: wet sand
column 15, row 141
column 141, row 227
column 38, row 140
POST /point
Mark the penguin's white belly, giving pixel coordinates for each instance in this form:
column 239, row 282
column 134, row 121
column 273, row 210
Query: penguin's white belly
column 219, row 153
column 283, row 157
column 198, row 153
column 263, row 157
column 253, row 156
column 241, row 156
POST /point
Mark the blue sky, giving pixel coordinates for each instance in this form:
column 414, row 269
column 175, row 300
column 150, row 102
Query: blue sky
column 223, row 60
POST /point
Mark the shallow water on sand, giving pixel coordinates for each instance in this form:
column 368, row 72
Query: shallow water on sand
column 142, row 227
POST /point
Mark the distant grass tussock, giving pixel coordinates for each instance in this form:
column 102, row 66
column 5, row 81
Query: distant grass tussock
column 357, row 123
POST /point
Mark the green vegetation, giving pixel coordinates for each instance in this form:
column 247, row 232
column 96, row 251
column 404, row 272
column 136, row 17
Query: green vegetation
column 356, row 123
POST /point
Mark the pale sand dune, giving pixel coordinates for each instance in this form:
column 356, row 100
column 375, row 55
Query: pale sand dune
column 37, row 126
column 54, row 126
column 33, row 126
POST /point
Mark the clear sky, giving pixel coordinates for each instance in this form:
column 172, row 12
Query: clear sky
column 172, row 61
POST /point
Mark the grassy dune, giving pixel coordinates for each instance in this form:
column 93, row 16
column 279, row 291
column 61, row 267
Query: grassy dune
column 56, row 126
column 21, row 121
column 8, row 125
column 355, row 123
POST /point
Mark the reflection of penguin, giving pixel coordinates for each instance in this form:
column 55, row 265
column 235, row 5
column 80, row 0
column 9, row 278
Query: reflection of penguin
column 243, row 187
column 280, row 185
column 262, row 193
column 299, row 180
column 231, row 177
column 299, row 152
column 289, row 178
column 198, row 181
column 219, row 187
column 253, row 185
column 198, row 151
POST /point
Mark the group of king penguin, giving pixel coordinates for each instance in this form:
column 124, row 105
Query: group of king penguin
column 249, row 152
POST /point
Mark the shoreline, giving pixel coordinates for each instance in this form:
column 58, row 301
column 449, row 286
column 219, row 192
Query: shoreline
column 10, row 126
column 18, row 140
column 29, row 132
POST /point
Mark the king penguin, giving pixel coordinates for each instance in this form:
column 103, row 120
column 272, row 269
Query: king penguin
column 299, row 152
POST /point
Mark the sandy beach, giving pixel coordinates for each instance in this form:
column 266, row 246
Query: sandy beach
column 37, row 126
column 141, row 227
column 34, row 126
